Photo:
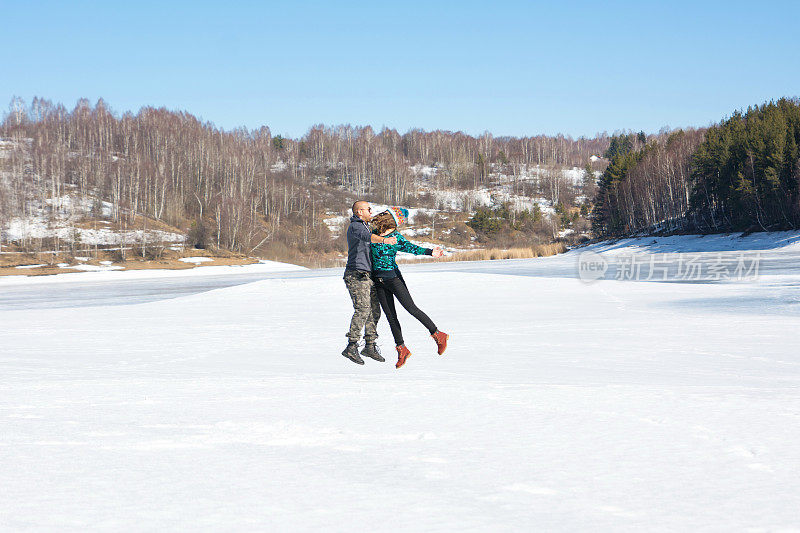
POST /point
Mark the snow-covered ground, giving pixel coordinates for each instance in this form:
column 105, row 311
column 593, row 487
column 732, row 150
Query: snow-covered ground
column 195, row 260
column 783, row 241
column 469, row 200
column 57, row 217
column 263, row 267
column 336, row 224
column 559, row 405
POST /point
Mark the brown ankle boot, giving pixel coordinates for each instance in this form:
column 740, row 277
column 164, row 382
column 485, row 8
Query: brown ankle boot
column 402, row 354
column 441, row 341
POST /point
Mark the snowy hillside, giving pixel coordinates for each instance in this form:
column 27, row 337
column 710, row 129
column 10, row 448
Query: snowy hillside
column 559, row 405
column 66, row 218
column 498, row 192
column 60, row 217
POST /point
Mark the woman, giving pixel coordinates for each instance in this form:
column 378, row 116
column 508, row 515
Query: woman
column 389, row 282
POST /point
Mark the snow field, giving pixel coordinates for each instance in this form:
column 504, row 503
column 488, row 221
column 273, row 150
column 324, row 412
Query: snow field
column 106, row 273
column 780, row 241
column 559, row 405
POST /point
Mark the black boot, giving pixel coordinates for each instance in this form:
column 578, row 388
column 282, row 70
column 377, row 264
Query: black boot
column 351, row 352
column 371, row 351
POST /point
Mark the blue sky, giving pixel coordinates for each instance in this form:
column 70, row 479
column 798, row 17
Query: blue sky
column 510, row 68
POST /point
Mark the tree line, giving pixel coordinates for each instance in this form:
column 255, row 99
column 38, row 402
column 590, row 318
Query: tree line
column 746, row 172
column 244, row 189
column 742, row 174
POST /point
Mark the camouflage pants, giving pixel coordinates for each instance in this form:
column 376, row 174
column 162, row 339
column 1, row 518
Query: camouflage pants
column 365, row 303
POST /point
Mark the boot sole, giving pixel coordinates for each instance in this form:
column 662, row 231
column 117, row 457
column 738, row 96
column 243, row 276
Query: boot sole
column 356, row 361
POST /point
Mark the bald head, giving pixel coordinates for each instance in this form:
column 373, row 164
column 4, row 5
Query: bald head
column 362, row 210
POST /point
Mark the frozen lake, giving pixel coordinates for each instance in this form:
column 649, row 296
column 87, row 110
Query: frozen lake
column 666, row 261
column 211, row 404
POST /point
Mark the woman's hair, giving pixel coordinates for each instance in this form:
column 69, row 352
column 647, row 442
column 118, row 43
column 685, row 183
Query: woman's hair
column 383, row 222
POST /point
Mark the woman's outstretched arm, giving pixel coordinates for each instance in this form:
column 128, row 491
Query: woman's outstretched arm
column 411, row 248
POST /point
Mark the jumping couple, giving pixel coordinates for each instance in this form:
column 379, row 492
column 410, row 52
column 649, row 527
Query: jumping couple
column 374, row 281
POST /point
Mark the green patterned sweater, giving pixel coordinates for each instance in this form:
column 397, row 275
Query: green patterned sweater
column 383, row 255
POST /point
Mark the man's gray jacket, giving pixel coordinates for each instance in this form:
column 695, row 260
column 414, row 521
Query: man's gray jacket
column 358, row 241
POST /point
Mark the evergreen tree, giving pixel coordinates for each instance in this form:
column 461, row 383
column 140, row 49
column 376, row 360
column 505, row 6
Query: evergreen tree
column 746, row 170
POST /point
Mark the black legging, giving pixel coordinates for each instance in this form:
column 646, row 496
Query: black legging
column 390, row 288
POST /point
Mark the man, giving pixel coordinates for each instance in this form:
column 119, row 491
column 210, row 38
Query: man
column 358, row 280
